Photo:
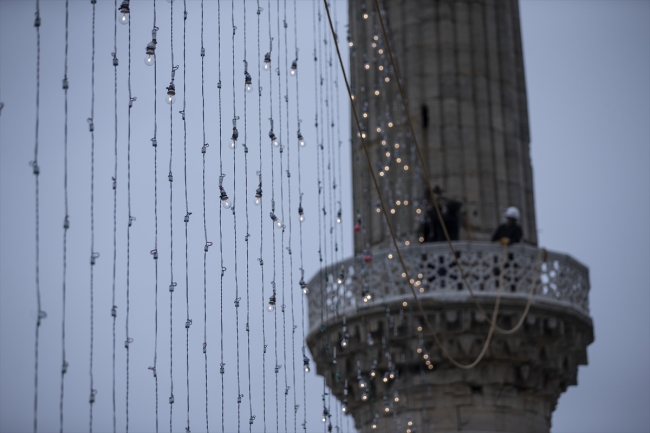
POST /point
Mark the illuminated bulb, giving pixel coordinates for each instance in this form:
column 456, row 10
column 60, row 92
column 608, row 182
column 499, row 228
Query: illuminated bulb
column 365, row 115
column 344, row 406
column 406, row 167
column 390, row 256
column 338, row 219
column 419, row 211
column 391, row 375
column 305, row 362
column 407, row 243
column 249, row 87
column 376, row 92
column 386, row 168
column 351, row 43
column 387, row 154
column 301, row 140
column 225, row 201
column 381, row 51
column 381, row 67
column 399, row 160
column 276, row 221
column 150, row 54
column 390, row 124
column 420, row 275
column 294, row 67
column 430, row 366
column 398, row 202
column 396, row 398
column 345, row 340
column 404, row 304
column 258, row 196
column 367, row 66
column 171, row 94
column 419, row 328
column 301, row 214
column 364, row 396
column 365, row 16
column 385, row 378
column 271, row 306
column 374, row 45
column 410, row 423
column 392, row 211
column 425, row 356
column 396, row 145
column 124, row 12
column 387, row 79
column 369, row 340
column 421, row 239
column 303, row 286
column 378, row 129
column 326, row 414
column 405, row 203
column 381, row 173
column 267, row 62
column 226, row 204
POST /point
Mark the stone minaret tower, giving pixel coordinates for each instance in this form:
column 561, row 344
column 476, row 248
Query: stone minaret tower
column 461, row 64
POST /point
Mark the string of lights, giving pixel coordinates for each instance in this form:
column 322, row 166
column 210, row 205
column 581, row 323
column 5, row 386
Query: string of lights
column 248, row 85
column 260, row 203
column 233, row 145
column 170, row 99
column 188, row 321
column 150, row 60
column 205, row 230
column 93, row 254
column 301, row 218
column 224, row 199
column 126, row 20
column 115, row 133
column 36, row 171
column 66, row 219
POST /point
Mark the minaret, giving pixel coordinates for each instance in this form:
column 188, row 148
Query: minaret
column 461, row 64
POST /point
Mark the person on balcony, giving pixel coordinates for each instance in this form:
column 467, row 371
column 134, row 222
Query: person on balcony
column 510, row 229
column 431, row 226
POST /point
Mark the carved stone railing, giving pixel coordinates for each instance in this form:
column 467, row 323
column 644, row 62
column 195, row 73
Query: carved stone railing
column 561, row 278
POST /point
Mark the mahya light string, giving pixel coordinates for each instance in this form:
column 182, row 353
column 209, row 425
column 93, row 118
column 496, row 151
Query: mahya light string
column 150, row 60
column 258, row 201
column 281, row 148
column 188, row 321
column 126, row 18
column 222, row 364
column 93, row 254
column 293, row 318
column 170, row 99
column 248, row 85
column 205, row 231
column 301, row 218
column 36, row 170
column 66, row 219
column 114, row 307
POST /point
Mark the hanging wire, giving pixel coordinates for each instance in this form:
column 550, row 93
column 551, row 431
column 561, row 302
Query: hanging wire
column 205, row 231
column 66, row 219
column 293, row 319
column 234, row 188
column 251, row 418
column 36, row 170
column 302, row 270
column 222, row 365
column 154, row 252
column 114, row 306
column 93, row 255
column 170, row 177
column 128, row 340
column 188, row 321
column 258, row 195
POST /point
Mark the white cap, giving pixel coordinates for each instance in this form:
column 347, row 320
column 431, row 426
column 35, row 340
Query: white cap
column 512, row 212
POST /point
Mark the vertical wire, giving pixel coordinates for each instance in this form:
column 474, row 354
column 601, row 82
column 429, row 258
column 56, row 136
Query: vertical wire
column 92, row 219
column 248, row 335
column 171, row 229
column 222, row 364
column 205, row 233
column 284, row 326
column 114, row 307
column 155, row 212
column 259, row 127
column 293, row 319
column 66, row 220
column 36, row 171
column 275, row 340
column 302, row 298
column 128, row 231
column 187, row 220
column 234, row 190
column 338, row 131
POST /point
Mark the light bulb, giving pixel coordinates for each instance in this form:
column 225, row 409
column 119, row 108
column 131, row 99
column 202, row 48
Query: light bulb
column 278, row 224
column 124, row 18
column 323, row 419
column 233, row 143
column 150, row 59
column 275, row 142
column 271, row 306
column 258, row 201
column 302, row 218
column 301, row 140
column 226, row 204
column 293, row 72
column 249, row 87
column 338, row 220
column 267, row 64
column 307, row 370
column 170, row 99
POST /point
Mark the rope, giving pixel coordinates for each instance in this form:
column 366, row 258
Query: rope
column 435, row 201
column 399, row 253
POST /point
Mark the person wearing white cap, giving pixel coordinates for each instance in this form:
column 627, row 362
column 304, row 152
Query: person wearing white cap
column 510, row 230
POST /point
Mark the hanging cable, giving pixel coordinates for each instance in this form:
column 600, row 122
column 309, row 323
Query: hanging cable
column 66, row 218
column 248, row 86
column 222, row 365
column 114, row 306
column 151, row 60
column 36, row 170
column 259, row 201
column 93, row 254
column 188, row 321
column 205, row 232
column 170, row 99
column 128, row 340
column 301, row 218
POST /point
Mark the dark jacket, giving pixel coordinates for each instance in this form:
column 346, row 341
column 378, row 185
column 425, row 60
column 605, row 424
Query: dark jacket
column 512, row 232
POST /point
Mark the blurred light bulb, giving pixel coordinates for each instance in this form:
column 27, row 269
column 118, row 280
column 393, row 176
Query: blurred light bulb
column 124, row 18
column 276, row 143
column 258, row 201
column 226, row 204
column 170, row 99
column 249, row 87
column 150, row 59
column 233, row 143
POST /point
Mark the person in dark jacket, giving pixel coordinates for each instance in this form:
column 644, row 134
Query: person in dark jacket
column 510, row 230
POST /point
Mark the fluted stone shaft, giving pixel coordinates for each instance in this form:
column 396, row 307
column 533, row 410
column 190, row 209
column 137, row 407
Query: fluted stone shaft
column 461, row 65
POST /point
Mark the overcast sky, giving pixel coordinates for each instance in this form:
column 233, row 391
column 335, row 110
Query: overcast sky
column 588, row 78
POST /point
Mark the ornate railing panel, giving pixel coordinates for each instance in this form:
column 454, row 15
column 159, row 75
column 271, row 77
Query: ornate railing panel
column 434, row 271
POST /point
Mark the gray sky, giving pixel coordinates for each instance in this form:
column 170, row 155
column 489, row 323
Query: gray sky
column 588, row 71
